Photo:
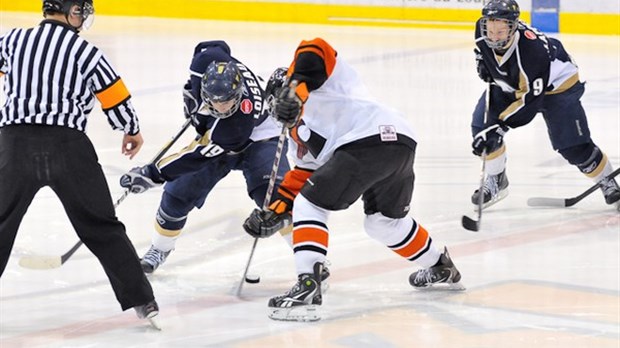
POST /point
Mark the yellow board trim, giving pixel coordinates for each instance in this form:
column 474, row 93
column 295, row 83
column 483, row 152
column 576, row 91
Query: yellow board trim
column 590, row 23
column 390, row 16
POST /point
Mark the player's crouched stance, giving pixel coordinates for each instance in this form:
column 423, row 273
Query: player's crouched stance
column 346, row 146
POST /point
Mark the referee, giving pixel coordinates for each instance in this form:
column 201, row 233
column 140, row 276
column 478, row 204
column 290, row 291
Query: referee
column 51, row 80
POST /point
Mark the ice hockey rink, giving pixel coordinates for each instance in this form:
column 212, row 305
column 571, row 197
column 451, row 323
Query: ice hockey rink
column 535, row 277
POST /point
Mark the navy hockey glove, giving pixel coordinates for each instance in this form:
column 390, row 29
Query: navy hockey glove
column 489, row 139
column 264, row 223
column 481, row 67
column 140, row 179
column 288, row 106
column 190, row 104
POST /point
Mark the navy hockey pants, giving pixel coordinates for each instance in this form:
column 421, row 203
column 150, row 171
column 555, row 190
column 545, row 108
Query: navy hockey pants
column 191, row 190
column 564, row 115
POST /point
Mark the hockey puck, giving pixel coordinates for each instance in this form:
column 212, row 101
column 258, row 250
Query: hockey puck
column 252, row 279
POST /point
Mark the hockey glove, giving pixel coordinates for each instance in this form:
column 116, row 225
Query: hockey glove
column 140, row 179
column 190, row 104
column 288, row 106
column 481, row 67
column 264, row 223
column 489, row 139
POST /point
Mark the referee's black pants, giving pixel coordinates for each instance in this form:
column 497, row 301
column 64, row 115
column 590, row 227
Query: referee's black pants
column 64, row 159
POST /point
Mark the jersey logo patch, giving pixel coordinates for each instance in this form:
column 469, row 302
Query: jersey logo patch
column 530, row 35
column 246, row 106
column 388, row 133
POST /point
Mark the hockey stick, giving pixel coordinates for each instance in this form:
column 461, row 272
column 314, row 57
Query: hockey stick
column 270, row 188
column 272, row 183
column 567, row 202
column 467, row 222
column 49, row 262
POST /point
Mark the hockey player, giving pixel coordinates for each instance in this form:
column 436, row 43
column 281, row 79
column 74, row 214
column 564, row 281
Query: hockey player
column 52, row 77
column 529, row 73
column 345, row 146
column 225, row 102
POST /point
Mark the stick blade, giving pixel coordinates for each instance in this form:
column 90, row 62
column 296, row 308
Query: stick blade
column 546, row 202
column 40, row 262
column 470, row 224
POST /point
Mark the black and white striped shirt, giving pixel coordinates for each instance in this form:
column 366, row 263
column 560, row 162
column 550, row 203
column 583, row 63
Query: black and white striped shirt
column 52, row 77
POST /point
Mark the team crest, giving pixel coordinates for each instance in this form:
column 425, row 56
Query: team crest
column 530, row 35
column 246, row 106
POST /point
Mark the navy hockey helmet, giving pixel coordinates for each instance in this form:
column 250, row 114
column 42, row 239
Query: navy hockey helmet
column 221, row 89
column 276, row 81
column 86, row 9
column 506, row 11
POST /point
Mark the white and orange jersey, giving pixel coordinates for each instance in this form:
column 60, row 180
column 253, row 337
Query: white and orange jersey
column 338, row 109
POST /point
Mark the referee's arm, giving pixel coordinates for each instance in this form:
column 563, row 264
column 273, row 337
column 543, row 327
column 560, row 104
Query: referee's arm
column 114, row 97
column 115, row 101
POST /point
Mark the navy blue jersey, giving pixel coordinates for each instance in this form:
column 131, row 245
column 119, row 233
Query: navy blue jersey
column 533, row 66
column 232, row 133
column 219, row 136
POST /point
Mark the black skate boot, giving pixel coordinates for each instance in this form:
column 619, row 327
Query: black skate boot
column 495, row 189
column 444, row 272
column 611, row 191
column 153, row 259
column 302, row 302
column 147, row 311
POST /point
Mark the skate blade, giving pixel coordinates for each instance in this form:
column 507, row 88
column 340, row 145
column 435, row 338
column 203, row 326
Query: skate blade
column 443, row 287
column 298, row 313
column 154, row 324
column 500, row 196
column 324, row 287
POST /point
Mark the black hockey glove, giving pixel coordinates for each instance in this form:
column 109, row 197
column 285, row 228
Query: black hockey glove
column 481, row 67
column 288, row 106
column 264, row 223
column 489, row 139
column 140, row 179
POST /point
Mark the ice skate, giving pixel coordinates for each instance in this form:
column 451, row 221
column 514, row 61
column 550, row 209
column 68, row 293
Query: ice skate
column 153, row 259
column 324, row 275
column 495, row 189
column 443, row 275
column 302, row 302
column 148, row 311
column 611, row 191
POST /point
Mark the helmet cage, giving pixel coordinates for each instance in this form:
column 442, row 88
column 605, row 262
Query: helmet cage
column 500, row 10
column 500, row 44
column 85, row 11
column 221, row 83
